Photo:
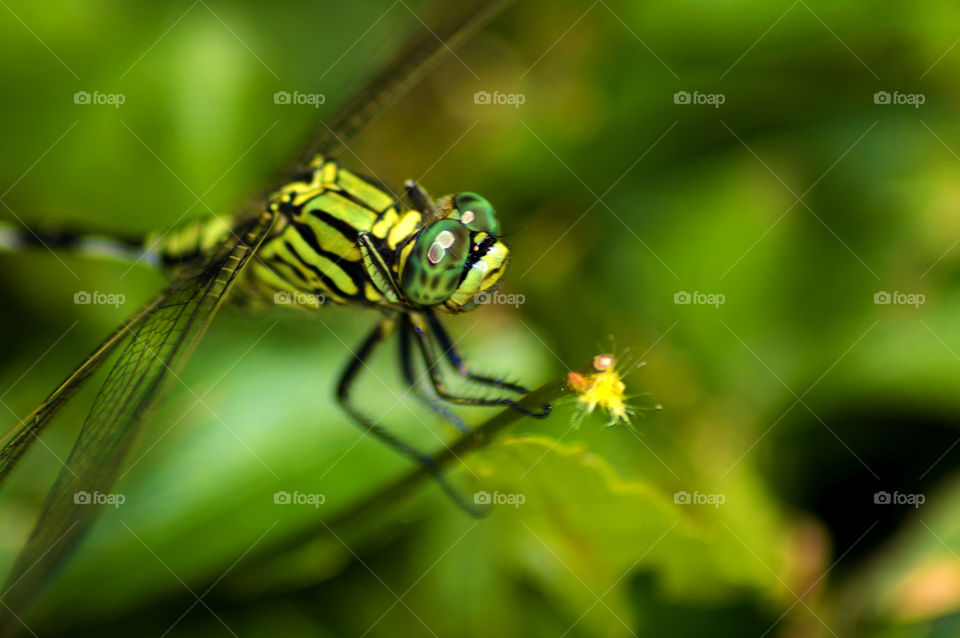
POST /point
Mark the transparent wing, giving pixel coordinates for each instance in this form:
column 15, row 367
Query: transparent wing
column 15, row 442
column 157, row 346
column 431, row 42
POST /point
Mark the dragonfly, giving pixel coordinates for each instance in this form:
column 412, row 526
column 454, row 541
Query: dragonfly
column 326, row 234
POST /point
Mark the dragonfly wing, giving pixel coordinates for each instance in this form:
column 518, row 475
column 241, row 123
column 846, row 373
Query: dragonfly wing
column 15, row 442
column 156, row 349
column 433, row 41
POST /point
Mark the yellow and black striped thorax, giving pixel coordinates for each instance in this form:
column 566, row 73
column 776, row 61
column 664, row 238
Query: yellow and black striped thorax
column 316, row 254
column 340, row 238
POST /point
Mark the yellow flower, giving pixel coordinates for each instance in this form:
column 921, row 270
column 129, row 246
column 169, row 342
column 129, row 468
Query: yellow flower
column 602, row 387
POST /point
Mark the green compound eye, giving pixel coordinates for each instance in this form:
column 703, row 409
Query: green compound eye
column 476, row 213
column 433, row 268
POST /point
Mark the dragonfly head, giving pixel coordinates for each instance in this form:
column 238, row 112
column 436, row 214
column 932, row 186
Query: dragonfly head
column 451, row 261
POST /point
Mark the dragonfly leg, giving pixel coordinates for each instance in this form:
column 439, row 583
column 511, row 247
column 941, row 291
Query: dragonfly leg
column 452, row 354
column 406, row 368
column 358, row 361
column 420, row 199
column 419, row 330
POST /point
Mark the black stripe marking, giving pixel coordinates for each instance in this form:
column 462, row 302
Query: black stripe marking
column 329, row 283
column 311, row 238
column 274, row 264
column 353, row 268
column 476, row 255
column 344, row 193
column 345, row 229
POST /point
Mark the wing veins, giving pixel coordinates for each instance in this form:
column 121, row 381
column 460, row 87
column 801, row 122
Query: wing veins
column 154, row 352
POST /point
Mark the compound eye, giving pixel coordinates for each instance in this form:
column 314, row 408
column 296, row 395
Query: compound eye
column 475, row 213
column 433, row 268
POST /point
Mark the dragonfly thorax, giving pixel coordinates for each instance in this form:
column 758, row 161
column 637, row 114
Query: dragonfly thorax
column 343, row 239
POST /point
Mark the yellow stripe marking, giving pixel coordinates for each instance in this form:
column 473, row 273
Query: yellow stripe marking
column 387, row 220
column 332, row 240
column 363, row 190
column 286, row 264
column 372, row 293
column 404, row 254
column 328, row 174
column 339, row 207
column 328, row 267
column 407, row 224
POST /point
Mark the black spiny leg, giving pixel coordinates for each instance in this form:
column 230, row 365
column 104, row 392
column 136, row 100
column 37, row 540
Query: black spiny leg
column 357, row 361
column 456, row 360
column 441, row 389
column 406, row 368
column 421, row 200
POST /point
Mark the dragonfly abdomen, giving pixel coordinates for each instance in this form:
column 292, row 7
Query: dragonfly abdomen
column 15, row 238
column 188, row 242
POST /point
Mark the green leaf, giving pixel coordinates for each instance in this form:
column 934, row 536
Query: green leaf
column 576, row 529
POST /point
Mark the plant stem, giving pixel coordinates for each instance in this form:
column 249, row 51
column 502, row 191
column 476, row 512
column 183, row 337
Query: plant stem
column 387, row 497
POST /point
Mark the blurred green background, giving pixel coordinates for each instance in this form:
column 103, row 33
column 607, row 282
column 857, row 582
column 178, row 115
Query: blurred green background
column 797, row 400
